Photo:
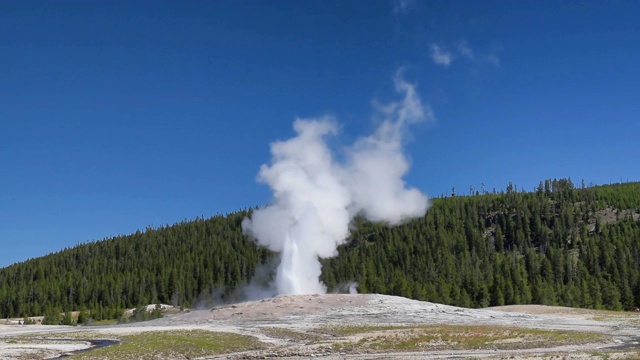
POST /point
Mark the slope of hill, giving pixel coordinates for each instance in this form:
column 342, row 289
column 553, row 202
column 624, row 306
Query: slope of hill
column 558, row 246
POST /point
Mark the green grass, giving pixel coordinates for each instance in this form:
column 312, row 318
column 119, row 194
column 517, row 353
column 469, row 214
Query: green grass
column 76, row 335
column 103, row 322
column 174, row 344
column 625, row 354
column 627, row 317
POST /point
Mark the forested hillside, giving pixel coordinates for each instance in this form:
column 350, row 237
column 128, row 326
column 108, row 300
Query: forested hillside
column 171, row 265
column 558, row 245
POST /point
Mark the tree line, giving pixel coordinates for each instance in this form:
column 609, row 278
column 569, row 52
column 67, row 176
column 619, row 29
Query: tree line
column 558, row 245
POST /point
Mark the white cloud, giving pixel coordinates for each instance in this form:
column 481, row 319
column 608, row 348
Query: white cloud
column 440, row 56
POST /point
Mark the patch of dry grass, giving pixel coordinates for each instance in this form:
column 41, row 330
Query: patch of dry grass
column 452, row 337
column 286, row 334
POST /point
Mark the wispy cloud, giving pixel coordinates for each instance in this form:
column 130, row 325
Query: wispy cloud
column 493, row 59
column 463, row 51
column 466, row 52
column 401, row 7
column 441, row 57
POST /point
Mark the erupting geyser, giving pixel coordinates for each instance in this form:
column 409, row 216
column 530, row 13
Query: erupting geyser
column 315, row 198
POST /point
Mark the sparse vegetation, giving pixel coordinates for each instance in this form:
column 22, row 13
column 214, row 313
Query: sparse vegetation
column 452, row 337
column 77, row 335
column 282, row 333
column 142, row 314
column 91, row 322
column 375, row 336
column 346, row 330
column 174, row 344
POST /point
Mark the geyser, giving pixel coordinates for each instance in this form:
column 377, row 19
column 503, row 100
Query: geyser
column 315, row 197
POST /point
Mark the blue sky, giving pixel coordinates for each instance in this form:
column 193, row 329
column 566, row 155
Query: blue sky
column 118, row 115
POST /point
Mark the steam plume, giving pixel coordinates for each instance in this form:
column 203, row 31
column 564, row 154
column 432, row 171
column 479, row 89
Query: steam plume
column 315, row 197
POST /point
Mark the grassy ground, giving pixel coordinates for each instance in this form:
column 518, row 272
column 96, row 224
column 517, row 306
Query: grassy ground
column 179, row 344
column 450, row 337
column 286, row 334
column 103, row 322
column 336, row 339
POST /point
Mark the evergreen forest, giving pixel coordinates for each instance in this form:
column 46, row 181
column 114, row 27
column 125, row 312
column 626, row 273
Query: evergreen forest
column 560, row 244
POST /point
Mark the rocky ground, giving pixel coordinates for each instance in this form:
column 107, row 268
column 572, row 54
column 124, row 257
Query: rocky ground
column 370, row 327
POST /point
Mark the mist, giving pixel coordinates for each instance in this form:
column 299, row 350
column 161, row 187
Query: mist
column 315, row 196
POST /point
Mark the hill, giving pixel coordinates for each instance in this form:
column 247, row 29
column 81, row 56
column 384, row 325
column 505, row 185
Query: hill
column 558, row 245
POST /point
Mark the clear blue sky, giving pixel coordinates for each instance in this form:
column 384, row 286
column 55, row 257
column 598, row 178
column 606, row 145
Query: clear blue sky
column 118, row 115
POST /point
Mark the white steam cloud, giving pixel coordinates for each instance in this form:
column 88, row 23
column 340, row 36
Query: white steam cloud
column 315, row 197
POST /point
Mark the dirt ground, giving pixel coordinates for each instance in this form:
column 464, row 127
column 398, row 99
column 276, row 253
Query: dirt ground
column 370, row 326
